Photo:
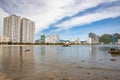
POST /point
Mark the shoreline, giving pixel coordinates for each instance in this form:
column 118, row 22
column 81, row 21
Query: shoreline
column 53, row 45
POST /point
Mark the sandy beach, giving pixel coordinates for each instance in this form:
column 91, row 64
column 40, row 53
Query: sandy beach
column 58, row 72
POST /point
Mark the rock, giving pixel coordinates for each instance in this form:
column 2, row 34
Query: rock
column 67, row 78
column 113, row 59
column 88, row 73
column 106, row 77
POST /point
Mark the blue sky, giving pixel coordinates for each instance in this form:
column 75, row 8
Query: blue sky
column 67, row 18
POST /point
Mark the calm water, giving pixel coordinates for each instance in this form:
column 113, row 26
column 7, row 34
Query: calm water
column 16, row 58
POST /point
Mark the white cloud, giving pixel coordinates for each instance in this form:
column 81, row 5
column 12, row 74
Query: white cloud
column 47, row 12
column 110, row 12
column 2, row 15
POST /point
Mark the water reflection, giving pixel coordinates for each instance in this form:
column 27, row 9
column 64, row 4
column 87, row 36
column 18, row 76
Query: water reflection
column 47, row 54
column 16, row 56
column 90, row 56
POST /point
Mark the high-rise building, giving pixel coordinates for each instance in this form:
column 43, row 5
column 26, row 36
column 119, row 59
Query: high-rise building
column 42, row 39
column 93, row 38
column 19, row 30
column 89, row 40
column 27, row 31
column 12, row 27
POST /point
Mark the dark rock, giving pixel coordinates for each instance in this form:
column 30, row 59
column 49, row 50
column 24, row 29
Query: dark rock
column 106, row 77
column 88, row 73
column 113, row 59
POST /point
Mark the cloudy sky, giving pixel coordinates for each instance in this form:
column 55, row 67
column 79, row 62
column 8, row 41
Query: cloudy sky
column 66, row 18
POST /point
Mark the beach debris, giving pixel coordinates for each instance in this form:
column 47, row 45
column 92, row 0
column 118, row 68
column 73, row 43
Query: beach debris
column 67, row 78
column 88, row 73
column 82, row 61
column 106, row 77
column 27, row 50
column 112, row 59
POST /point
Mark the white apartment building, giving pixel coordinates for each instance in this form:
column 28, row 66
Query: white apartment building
column 27, row 31
column 118, row 41
column 12, row 27
column 4, row 39
column 19, row 30
column 52, row 39
column 89, row 40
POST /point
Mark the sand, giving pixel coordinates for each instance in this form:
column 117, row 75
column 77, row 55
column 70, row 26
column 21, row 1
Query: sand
column 64, row 72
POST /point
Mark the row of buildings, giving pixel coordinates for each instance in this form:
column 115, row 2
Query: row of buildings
column 18, row 30
column 55, row 39
column 49, row 39
column 92, row 39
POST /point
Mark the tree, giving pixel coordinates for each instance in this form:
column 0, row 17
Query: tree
column 105, row 38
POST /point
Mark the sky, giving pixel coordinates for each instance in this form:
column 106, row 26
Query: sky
column 69, row 19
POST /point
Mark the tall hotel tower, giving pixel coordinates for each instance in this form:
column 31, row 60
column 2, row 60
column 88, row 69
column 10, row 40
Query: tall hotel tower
column 27, row 31
column 19, row 30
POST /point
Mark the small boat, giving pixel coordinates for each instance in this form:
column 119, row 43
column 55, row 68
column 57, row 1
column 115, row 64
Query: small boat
column 27, row 50
column 114, row 51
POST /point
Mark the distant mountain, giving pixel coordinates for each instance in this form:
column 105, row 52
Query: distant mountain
column 63, row 40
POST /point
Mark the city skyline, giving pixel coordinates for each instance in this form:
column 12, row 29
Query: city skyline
column 68, row 19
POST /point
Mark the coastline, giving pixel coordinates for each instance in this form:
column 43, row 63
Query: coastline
column 52, row 45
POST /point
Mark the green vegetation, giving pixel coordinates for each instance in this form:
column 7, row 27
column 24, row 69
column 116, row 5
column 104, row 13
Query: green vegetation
column 107, row 38
column 117, row 36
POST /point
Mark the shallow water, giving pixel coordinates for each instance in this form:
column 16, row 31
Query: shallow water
column 15, row 60
column 89, row 56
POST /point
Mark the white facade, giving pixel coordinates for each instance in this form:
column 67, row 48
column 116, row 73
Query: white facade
column 96, row 40
column 89, row 40
column 118, row 41
column 12, row 27
column 27, row 31
column 77, row 41
column 4, row 39
column 52, row 39
column 19, row 30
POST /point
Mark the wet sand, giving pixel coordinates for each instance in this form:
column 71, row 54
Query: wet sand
column 58, row 72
